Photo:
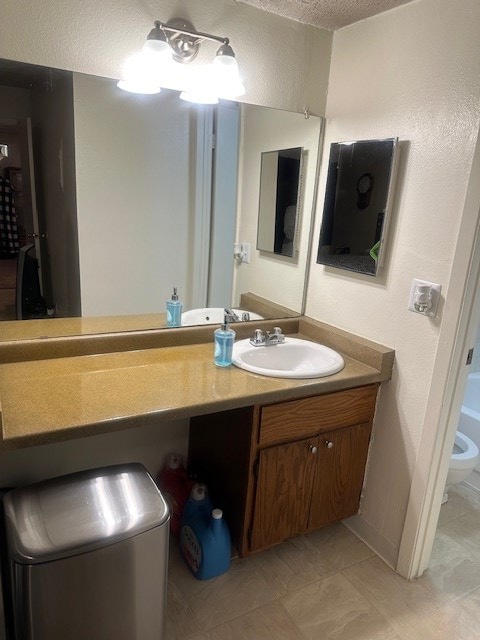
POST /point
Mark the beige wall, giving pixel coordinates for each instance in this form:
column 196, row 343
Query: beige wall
column 413, row 73
column 132, row 166
column 148, row 445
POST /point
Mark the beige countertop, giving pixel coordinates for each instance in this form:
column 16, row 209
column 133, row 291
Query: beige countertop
column 61, row 398
column 50, row 400
column 64, row 327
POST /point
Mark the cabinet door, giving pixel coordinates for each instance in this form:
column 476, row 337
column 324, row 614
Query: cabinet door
column 284, row 488
column 341, row 459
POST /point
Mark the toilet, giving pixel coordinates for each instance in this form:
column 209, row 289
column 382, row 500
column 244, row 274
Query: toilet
column 465, row 457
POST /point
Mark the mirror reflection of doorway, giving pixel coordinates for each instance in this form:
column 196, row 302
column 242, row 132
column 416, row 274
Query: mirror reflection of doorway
column 18, row 218
column 36, row 121
column 11, row 233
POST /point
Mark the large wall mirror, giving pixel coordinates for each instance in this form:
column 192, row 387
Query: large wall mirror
column 357, row 206
column 124, row 197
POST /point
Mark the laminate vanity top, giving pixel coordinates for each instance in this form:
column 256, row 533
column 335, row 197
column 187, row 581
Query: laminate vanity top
column 61, row 398
column 31, row 329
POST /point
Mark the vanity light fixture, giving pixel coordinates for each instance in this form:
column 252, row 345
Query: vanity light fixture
column 168, row 47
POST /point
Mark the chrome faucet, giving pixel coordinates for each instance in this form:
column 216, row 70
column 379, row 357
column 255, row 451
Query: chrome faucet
column 231, row 316
column 261, row 339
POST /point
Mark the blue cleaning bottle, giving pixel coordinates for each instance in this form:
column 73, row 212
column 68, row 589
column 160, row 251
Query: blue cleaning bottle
column 174, row 310
column 206, row 545
column 223, row 338
column 198, row 503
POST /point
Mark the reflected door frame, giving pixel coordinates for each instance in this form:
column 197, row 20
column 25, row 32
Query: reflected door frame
column 216, row 132
column 203, row 140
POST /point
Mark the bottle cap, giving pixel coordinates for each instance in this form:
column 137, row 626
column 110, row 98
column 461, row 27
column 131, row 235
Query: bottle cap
column 173, row 461
column 174, row 294
column 217, row 514
column 199, row 491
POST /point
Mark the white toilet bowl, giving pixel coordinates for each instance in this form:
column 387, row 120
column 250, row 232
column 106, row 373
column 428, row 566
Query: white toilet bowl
column 465, row 457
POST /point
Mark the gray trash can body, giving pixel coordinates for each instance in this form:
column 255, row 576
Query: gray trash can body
column 89, row 556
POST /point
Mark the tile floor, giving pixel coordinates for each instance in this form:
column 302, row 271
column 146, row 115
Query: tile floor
column 328, row 585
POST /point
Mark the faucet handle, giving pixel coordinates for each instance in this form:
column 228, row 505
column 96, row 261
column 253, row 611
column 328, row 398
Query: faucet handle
column 258, row 338
column 230, row 315
column 278, row 335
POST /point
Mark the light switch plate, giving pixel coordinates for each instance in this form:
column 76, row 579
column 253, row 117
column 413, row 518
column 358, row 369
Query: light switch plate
column 246, row 252
column 435, row 290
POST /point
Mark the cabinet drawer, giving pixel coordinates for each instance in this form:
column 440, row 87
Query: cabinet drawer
column 302, row 418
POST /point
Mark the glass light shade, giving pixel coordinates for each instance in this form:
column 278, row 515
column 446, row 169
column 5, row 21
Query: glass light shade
column 159, row 48
column 173, row 75
column 137, row 87
column 140, row 74
column 201, row 87
column 227, row 77
column 198, row 98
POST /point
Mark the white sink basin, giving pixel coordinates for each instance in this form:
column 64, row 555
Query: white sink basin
column 295, row 358
column 212, row 315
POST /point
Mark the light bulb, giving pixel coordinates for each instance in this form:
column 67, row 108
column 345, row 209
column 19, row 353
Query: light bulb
column 159, row 48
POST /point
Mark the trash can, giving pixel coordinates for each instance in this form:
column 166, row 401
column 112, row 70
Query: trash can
column 88, row 556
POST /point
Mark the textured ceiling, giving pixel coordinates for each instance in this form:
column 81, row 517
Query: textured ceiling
column 328, row 14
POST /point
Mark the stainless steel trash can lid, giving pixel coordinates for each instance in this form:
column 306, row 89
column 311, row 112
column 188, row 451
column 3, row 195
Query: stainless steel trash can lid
column 80, row 512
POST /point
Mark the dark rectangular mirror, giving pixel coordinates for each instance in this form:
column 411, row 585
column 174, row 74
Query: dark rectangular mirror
column 357, row 201
column 279, row 206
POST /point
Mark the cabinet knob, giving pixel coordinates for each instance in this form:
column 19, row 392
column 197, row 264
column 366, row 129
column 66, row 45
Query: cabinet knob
column 313, row 449
column 329, row 444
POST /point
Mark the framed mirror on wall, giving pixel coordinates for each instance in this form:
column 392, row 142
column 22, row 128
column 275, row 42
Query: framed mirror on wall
column 357, row 207
column 279, row 208
column 125, row 207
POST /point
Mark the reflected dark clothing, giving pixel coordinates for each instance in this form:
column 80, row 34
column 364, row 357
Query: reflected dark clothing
column 9, row 241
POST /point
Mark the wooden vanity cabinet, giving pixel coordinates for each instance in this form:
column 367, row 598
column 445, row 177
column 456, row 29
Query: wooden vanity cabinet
column 305, row 485
column 284, row 469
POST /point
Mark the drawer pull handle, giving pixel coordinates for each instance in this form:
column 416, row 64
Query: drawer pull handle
column 313, row 449
column 329, row 444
